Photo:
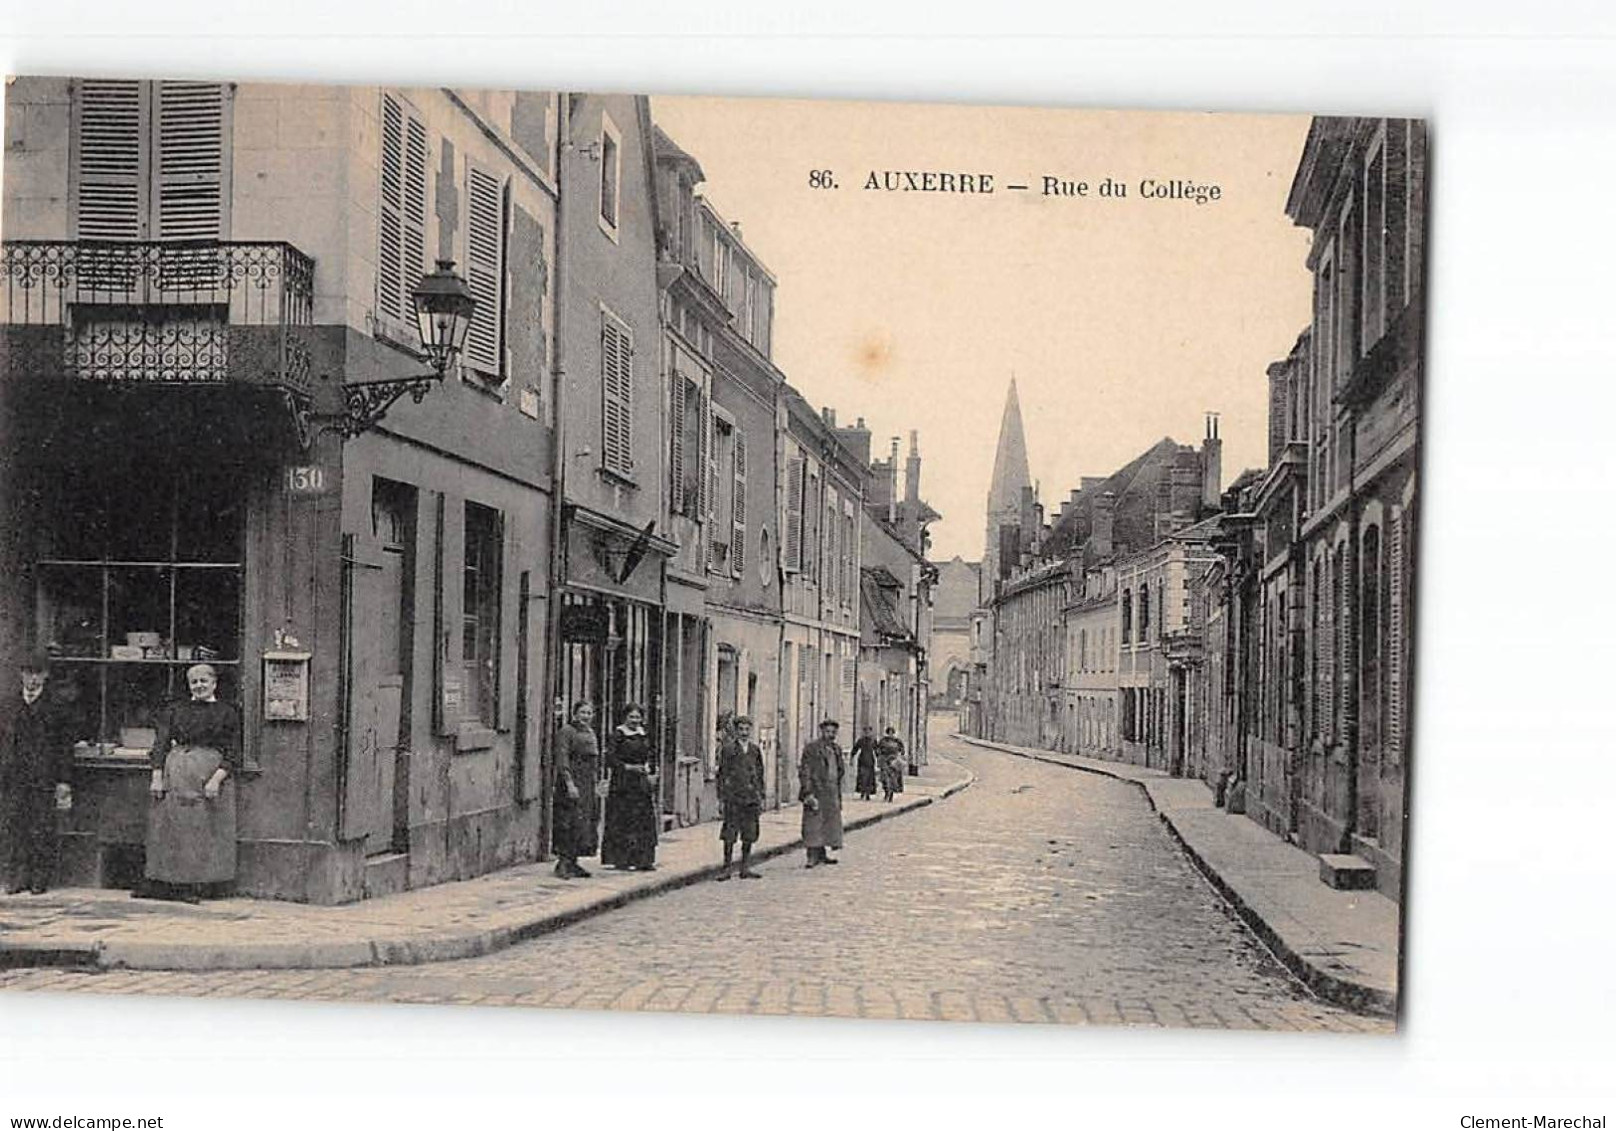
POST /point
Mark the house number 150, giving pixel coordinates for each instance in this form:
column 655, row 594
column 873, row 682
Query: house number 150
column 305, row 480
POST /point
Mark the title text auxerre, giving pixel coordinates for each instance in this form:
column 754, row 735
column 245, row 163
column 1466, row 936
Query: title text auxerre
column 986, row 184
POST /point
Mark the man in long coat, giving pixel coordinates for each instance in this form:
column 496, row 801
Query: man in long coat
column 820, row 791
column 34, row 768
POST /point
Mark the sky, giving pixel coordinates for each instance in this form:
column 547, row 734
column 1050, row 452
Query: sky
column 1122, row 319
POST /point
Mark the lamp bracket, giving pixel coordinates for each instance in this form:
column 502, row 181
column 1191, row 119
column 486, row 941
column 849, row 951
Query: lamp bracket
column 366, row 402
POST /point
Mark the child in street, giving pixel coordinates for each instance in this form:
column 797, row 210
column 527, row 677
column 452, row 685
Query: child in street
column 740, row 792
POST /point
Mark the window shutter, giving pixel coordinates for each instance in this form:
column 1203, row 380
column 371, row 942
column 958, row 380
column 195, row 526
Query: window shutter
column 617, row 388
column 676, row 448
column 401, row 251
column 833, row 538
column 794, row 489
column 1394, row 641
column 709, row 462
column 849, row 554
column 737, row 542
column 190, row 160
column 113, row 125
column 485, row 240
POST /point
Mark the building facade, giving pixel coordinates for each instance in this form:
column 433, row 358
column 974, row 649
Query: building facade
column 1360, row 189
column 820, row 592
column 194, row 272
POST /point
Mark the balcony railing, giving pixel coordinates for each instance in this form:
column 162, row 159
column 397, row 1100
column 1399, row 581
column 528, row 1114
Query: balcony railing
column 178, row 312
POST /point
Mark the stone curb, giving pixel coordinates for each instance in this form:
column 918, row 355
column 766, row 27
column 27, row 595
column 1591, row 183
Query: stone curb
column 402, row 951
column 1332, row 987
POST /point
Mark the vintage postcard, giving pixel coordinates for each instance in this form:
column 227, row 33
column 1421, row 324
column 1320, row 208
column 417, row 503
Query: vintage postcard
column 711, row 555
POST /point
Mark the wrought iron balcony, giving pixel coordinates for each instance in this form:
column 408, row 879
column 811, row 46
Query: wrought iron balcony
column 172, row 313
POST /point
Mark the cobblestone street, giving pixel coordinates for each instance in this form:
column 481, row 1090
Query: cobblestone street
column 1039, row 894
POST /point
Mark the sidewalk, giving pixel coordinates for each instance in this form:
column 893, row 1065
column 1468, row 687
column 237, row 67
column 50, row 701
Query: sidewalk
column 1341, row 943
column 111, row 929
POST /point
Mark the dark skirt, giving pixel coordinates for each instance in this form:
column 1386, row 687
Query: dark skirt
column 575, row 822
column 866, row 776
column 189, row 839
column 631, row 824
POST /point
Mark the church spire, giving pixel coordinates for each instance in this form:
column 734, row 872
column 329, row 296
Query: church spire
column 1010, row 473
column 1010, row 478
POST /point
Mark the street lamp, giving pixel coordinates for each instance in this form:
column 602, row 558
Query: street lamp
column 443, row 305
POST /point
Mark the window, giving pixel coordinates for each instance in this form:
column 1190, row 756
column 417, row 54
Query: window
column 151, row 159
column 721, row 496
column 1127, row 615
column 479, row 639
column 401, row 220
column 487, row 206
column 1144, row 613
column 138, row 579
column 617, row 395
column 611, row 170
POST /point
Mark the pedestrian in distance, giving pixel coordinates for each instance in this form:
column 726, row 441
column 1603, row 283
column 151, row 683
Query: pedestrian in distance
column 630, row 838
column 740, row 793
column 575, row 810
column 893, row 763
column 864, row 760
column 35, row 761
column 191, row 827
column 820, row 791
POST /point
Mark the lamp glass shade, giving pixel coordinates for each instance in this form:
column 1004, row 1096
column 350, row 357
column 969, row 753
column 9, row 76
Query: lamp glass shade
column 443, row 310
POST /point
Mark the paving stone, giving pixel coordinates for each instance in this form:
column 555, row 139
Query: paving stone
column 1037, row 895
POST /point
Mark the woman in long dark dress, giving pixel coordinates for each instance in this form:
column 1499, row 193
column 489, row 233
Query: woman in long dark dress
column 631, row 802
column 575, row 809
column 191, row 828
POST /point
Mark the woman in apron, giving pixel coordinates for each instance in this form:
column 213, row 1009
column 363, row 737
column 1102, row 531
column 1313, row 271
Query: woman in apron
column 191, row 829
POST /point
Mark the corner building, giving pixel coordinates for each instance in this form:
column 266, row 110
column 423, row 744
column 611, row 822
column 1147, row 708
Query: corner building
column 192, row 274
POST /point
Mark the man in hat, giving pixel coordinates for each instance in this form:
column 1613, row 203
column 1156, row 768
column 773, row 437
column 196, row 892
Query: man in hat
column 820, row 791
column 34, row 764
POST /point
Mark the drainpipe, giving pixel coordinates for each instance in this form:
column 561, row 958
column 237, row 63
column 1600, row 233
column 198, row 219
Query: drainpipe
column 558, row 468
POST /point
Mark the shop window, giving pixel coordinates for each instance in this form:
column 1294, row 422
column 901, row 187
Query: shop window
column 138, row 578
column 480, row 638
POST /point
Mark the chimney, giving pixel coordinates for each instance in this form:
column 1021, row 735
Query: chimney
column 892, row 482
column 828, row 414
column 911, row 485
column 1102, row 536
column 1211, row 464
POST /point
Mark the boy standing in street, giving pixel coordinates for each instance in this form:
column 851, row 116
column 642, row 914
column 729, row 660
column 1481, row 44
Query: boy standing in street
column 740, row 792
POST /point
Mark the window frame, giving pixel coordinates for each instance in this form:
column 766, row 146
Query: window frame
column 480, row 701
column 609, row 210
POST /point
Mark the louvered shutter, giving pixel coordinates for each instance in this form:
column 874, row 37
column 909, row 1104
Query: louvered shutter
column 1395, row 635
column 112, row 150
column 401, row 245
column 617, row 389
column 708, row 464
column 849, row 555
column 190, row 160
column 832, row 539
column 485, row 244
column 737, row 542
column 676, row 447
column 795, row 479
